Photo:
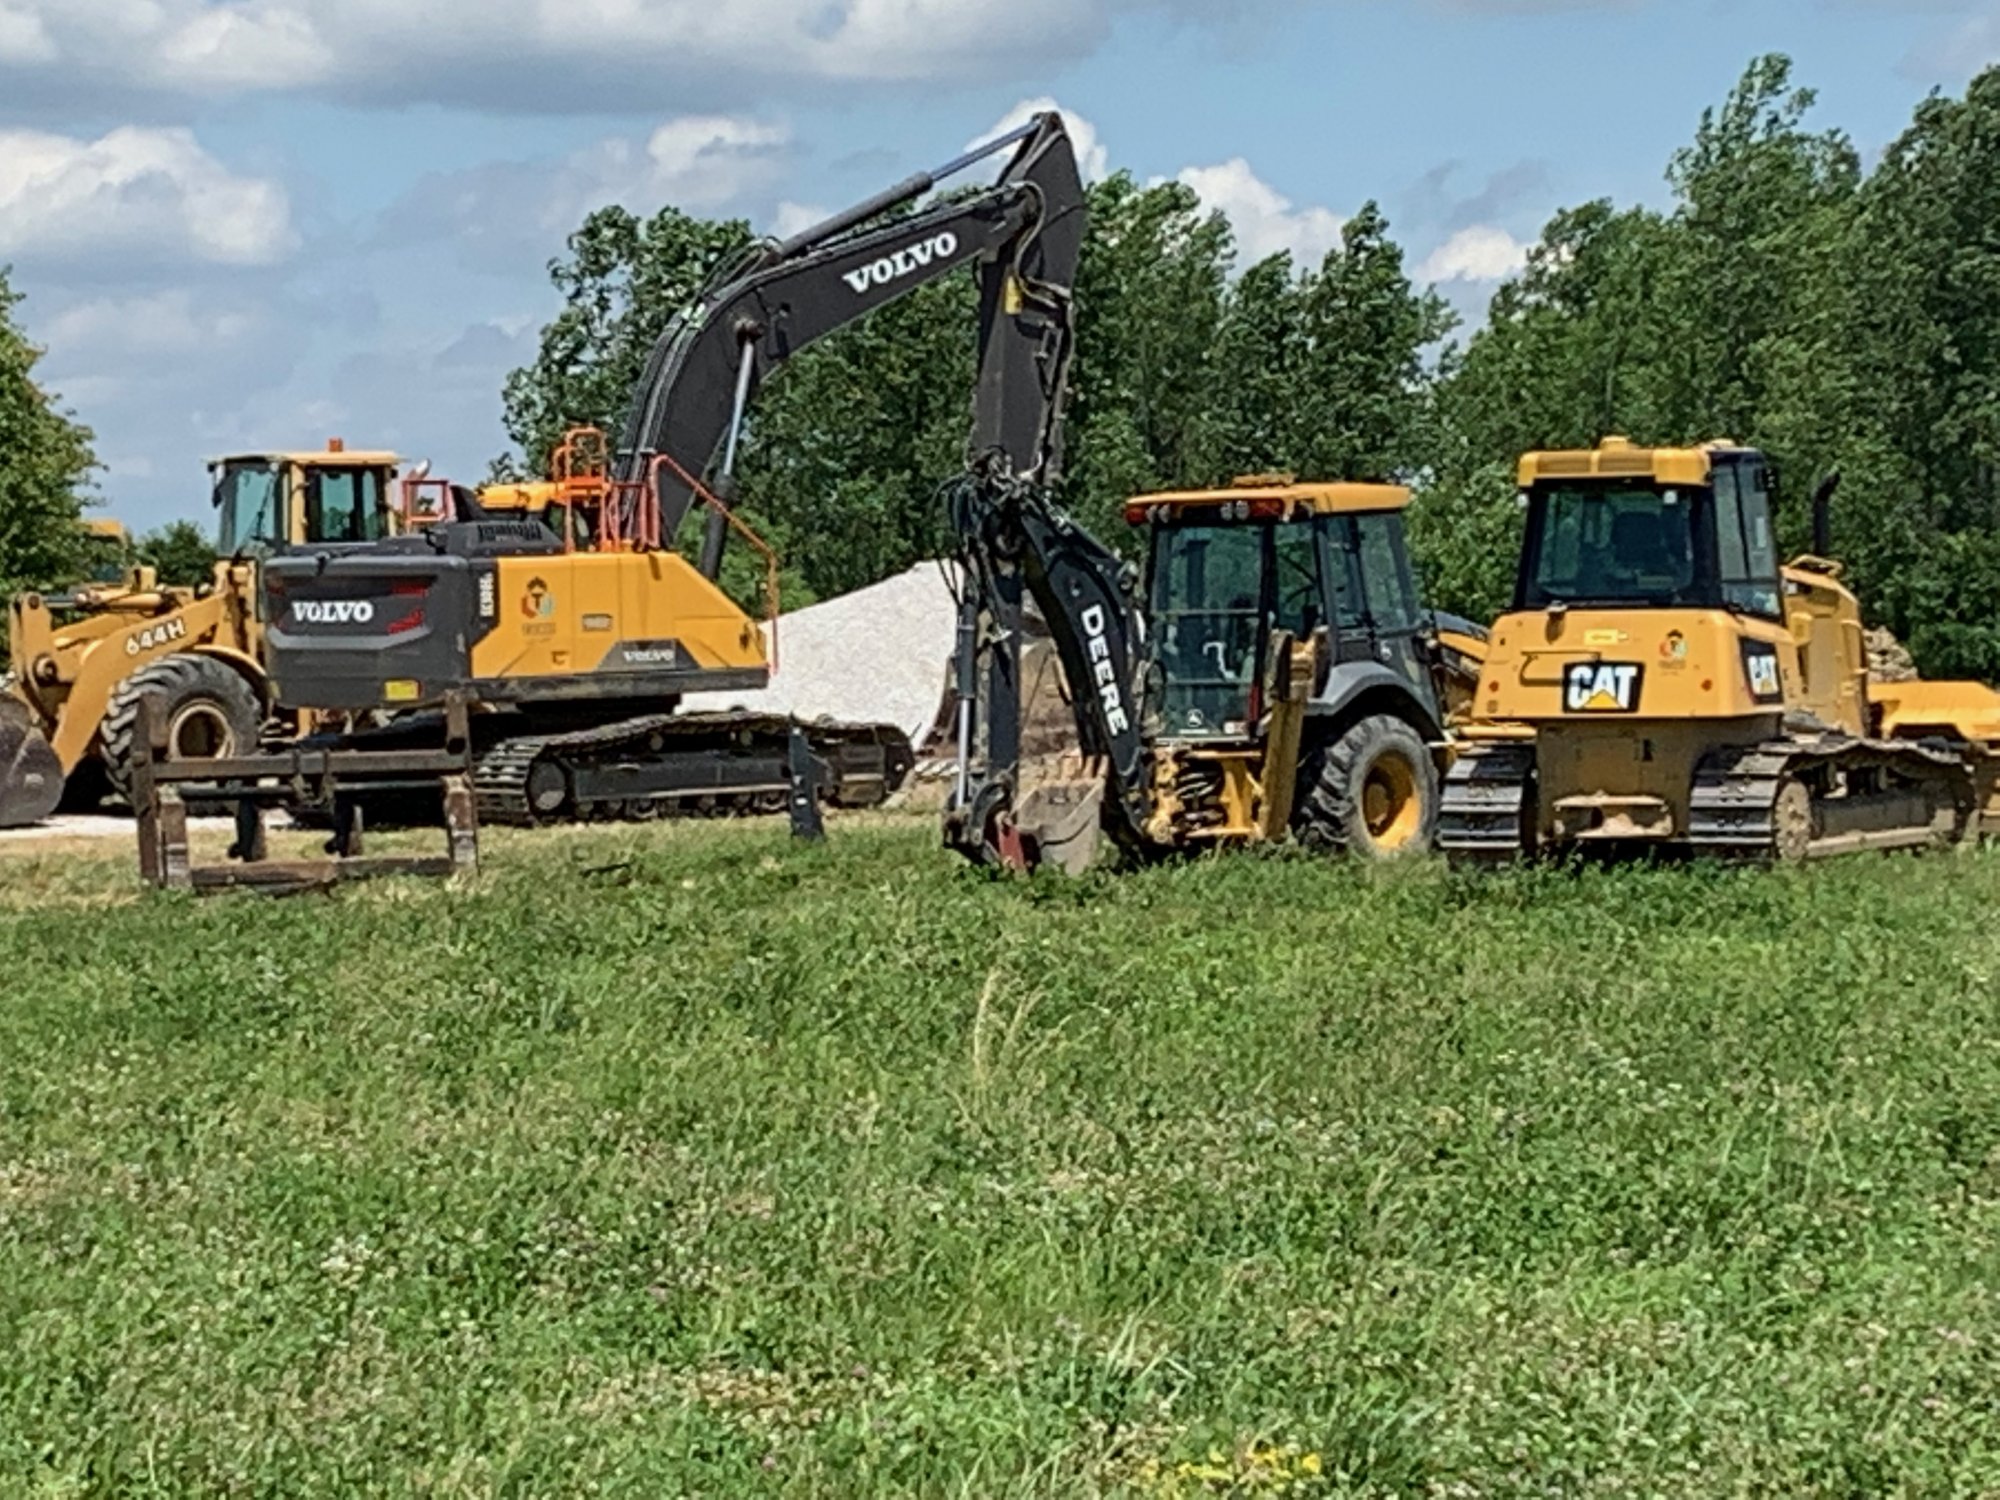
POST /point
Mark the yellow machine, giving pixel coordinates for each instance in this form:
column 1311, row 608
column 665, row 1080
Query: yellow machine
column 1663, row 681
column 1293, row 680
column 80, row 661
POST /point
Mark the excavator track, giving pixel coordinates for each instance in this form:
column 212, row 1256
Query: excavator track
column 675, row 765
column 1785, row 800
column 1483, row 813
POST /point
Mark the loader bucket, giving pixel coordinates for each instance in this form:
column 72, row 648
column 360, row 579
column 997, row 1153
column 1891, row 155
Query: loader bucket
column 31, row 778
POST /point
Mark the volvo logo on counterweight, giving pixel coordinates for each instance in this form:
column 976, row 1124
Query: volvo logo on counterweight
column 333, row 611
column 911, row 258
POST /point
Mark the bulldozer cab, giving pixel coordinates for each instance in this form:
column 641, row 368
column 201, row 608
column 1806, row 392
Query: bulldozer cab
column 267, row 500
column 1231, row 570
column 1622, row 527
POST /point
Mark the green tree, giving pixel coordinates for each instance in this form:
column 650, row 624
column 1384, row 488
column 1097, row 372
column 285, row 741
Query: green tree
column 45, row 464
column 180, row 552
column 623, row 280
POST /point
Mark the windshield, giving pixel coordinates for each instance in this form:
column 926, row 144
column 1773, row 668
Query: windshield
column 247, row 511
column 1207, row 584
column 1612, row 546
column 345, row 505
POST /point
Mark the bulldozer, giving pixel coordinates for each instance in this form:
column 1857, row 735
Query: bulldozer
column 1662, row 682
column 80, row 661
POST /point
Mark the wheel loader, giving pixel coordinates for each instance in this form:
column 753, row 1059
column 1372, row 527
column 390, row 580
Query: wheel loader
column 81, row 660
column 1662, row 682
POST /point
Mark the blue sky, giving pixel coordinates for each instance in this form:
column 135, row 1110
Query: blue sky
column 245, row 224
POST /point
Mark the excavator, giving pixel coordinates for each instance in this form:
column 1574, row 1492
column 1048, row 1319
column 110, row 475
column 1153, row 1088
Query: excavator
column 1278, row 675
column 575, row 642
column 1662, row 683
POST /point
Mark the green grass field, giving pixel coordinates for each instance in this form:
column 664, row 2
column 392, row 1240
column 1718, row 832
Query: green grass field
column 686, row 1161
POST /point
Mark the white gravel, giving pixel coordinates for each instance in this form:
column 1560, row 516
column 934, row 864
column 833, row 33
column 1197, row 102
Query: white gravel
column 880, row 655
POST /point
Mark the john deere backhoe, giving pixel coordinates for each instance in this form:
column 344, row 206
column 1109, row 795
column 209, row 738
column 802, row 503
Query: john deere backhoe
column 80, row 661
column 1662, row 682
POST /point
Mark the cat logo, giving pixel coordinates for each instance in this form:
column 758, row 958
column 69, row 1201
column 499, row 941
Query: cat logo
column 1760, row 666
column 1602, row 687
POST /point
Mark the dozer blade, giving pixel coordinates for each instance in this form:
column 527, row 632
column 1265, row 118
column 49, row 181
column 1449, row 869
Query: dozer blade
column 31, row 778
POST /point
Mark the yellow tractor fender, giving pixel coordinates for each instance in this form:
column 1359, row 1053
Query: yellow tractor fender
column 116, row 656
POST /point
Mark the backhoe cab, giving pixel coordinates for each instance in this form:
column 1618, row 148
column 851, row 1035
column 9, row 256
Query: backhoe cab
column 1662, row 680
column 1292, row 678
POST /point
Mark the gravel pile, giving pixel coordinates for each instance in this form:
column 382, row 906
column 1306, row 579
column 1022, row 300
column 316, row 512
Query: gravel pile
column 880, row 655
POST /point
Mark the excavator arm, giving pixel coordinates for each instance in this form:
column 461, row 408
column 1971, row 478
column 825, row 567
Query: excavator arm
column 1024, row 233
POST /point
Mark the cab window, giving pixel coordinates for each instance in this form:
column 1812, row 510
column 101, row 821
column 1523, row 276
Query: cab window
column 1300, row 604
column 1392, row 604
column 1745, row 546
column 345, row 505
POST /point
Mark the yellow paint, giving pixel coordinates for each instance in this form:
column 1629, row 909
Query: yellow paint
column 590, row 602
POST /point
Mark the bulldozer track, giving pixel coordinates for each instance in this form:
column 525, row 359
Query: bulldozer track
column 1736, row 809
column 1482, row 816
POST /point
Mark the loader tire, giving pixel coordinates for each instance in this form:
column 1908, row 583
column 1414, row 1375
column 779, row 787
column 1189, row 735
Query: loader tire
column 209, row 710
column 1374, row 792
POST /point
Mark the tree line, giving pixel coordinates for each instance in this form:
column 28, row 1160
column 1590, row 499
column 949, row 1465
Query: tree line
column 1838, row 315
column 1835, row 316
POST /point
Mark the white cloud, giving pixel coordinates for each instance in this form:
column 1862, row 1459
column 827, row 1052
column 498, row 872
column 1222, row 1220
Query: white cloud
column 698, row 161
column 543, row 55
column 791, row 218
column 135, row 194
column 1264, row 219
column 23, row 37
column 1479, row 252
column 506, row 214
column 162, row 323
column 1091, row 157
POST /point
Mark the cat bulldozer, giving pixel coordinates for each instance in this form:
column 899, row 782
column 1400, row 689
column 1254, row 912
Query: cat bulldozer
column 1662, row 682
column 81, row 660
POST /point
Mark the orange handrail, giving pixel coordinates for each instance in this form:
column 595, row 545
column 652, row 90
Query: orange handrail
column 736, row 524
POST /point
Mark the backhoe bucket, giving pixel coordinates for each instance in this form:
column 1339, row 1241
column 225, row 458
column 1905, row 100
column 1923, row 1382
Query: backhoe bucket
column 31, row 778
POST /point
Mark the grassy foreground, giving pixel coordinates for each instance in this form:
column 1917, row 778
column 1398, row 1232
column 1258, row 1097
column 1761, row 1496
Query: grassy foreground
column 690, row 1162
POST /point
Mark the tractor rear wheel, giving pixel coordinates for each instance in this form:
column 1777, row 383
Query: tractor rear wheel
column 208, row 708
column 1374, row 792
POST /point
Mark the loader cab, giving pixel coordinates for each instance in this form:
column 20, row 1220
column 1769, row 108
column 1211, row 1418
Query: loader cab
column 264, row 501
column 1229, row 569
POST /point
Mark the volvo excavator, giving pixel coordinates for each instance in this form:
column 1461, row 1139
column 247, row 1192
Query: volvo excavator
column 573, row 646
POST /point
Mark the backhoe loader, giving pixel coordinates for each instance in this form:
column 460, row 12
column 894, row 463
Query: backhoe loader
column 79, row 661
column 1663, row 683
